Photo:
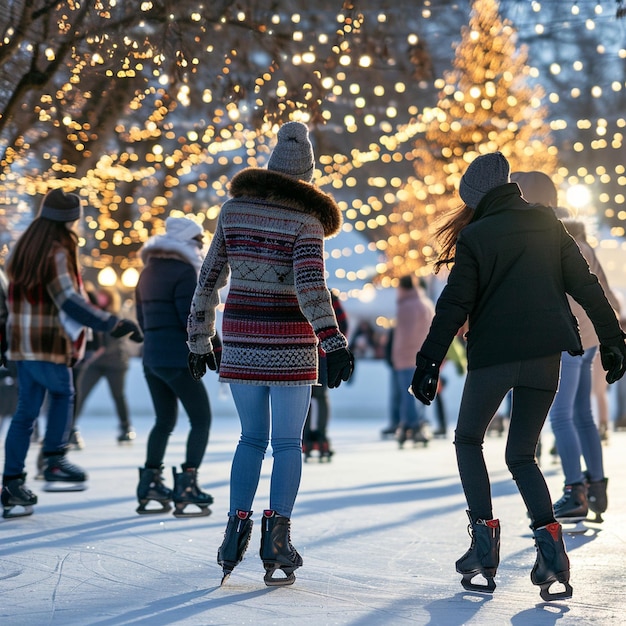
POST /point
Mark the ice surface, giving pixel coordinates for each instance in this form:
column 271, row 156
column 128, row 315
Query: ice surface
column 379, row 530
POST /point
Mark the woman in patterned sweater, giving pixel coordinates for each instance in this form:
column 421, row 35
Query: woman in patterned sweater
column 270, row 239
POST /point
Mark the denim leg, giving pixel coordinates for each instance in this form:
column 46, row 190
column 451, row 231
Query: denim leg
column 588, row 435
column 30, row 399
column 58, row 380
column 253, row 407
column 289, row 410
column 409, row 417
column 566, row 435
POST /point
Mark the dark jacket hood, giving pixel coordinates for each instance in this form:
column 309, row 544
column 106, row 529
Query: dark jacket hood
column 276, row 188
column 504, row 198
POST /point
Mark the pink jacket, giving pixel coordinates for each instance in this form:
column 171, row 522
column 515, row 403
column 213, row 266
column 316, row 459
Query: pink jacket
column 415, row 312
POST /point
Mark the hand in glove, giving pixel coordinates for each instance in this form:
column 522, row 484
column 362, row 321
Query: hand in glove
column 199, row 362
column 425, row 379
column 613, row 359
column 127, row 327
column 339, row 366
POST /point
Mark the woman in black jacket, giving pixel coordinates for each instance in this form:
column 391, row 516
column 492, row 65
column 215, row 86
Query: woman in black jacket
column 514, row 265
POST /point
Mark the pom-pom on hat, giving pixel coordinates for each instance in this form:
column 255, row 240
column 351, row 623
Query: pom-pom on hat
column 182, row 228
column 483, row 174
column 293, row 153
column 537, row 187
column 59, row 206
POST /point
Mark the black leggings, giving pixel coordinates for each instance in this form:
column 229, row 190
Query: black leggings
column 534, row 383
column 167, row 385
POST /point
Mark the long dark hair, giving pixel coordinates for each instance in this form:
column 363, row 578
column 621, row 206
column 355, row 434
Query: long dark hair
column 448, row 233
column 29, row 264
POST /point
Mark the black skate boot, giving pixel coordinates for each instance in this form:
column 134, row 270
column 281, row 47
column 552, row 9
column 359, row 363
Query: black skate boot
column 127, row 435
column 483, row 555
column 15, row 494
column 151, row 488
column 61, row 475
column 552, row 564
column 403, row 433
column 186, row 492
column 236, row 540
column 422, row 434
column 597, row 499
column 572, row 507
column 276, row 551
column 326, row 452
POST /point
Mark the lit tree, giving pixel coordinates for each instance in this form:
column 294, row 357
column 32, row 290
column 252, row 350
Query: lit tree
column 486, row 103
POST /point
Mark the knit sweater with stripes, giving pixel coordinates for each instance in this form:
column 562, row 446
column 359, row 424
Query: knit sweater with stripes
column 269, row 240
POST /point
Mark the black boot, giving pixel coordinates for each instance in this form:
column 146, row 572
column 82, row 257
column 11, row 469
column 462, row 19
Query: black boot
column 236, row 540
column 186, row 492
column 14, row 493
column 151, row 487
column 277, row 552
column 61, row 475
column 597, row 499
column 572, row 506
column 552, row 564
column 483, row 555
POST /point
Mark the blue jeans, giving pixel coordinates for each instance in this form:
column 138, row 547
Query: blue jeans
column 34, row 379
column 572, row 422
column 285, row 410
column 411, row 412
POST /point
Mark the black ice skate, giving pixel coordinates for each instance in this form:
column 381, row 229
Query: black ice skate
column 403, row 434
column 127, row 435
column 61, row 475
column 186, row 492
column 152, row 489
column 552, row 564
column 483, row 555
column 276, row 551
column 14, row 494
column 314, row 441
column 422, row 434
column 572, row 507
column 597, row 499
column 236, row 540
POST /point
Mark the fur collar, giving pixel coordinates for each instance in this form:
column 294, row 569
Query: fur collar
column 165, row 247
column 274, row 187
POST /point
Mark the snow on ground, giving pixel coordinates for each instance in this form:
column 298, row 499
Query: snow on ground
column 379, row 530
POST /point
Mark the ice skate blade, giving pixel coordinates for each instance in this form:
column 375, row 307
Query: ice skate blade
column 23, row 511
column 488, row 587
column 278, row 581
column 225, row 577
column 547, row 596
column 179, row 511
column 143, row 510
column 58, row 485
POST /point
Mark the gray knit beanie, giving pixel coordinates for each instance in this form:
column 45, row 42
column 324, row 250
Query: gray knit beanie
column 59, row 206
column 293, row 154
column 537, row 187
column 483, row 174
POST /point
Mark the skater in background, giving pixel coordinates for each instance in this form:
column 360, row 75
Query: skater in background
column 571, row 417
column 110, row 361
column 513, row 263
column 394, row 389
column 600, row 397
column 414, row 313
column 48, row 316
column 315, row 436
column 163, row 298
column 270, row 239
column 8, row 372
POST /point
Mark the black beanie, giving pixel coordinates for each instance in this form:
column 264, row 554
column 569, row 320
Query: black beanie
column 483, row 174
column 59, row 206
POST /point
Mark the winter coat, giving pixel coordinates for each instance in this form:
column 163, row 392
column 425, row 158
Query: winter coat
column 36, row 329
column 163, row 297
column 270, row 239
column 514, row 265
column 587, row 333
column 413, row 317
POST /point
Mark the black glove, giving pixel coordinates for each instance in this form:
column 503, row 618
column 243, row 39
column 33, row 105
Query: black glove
column 425, row 379
column 613, row 359
column 199, row 362
column 339, row 366
column 127, row 327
